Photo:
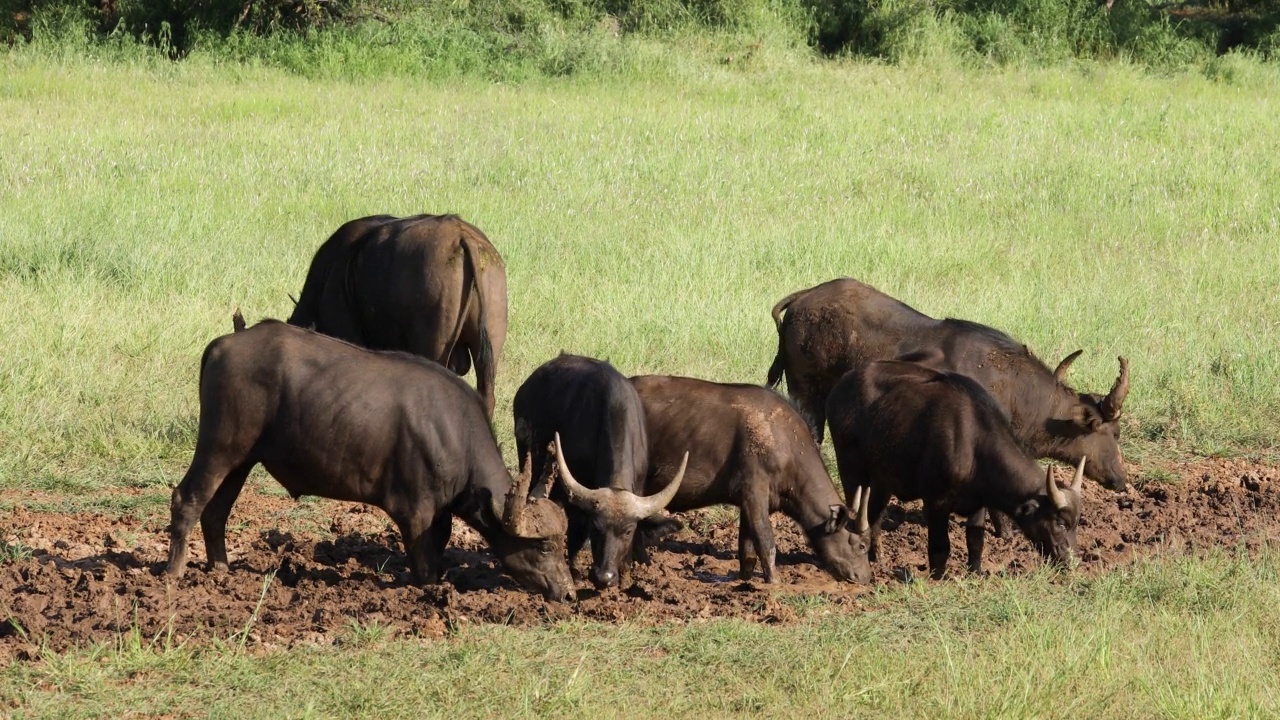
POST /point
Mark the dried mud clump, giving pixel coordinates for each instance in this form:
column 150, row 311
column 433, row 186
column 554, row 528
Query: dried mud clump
column 319, row 571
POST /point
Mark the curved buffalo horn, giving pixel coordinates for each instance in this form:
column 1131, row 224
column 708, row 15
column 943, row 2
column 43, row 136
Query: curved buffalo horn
column 865, row 502
column 517, row 498
column 623, row 503
column 1077, row 483
column 652, row 504
column 1114, row 401
column 580, row 495
column 1055, row 493
column 1061, row 372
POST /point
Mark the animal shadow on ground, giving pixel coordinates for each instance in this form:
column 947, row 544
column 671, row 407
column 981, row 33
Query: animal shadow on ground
column 318, row 572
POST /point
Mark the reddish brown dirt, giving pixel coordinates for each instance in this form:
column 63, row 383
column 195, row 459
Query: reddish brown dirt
column 338, row 568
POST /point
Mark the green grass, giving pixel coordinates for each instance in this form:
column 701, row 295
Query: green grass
column 655, row 223
column 1099, row 208
column 1168, row 638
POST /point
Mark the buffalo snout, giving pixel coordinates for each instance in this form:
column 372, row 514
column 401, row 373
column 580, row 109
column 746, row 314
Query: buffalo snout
column 602, row 578
column 561, row 595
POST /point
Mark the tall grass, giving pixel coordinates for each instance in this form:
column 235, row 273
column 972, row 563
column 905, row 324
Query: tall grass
column 520, row 39
column 1099, row 209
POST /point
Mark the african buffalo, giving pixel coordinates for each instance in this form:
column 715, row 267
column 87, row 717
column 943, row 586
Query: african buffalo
column 600, row 416
column 432, row 285
column 390, row 429
column 906, row 430
column 843, row 325
column 748, row 447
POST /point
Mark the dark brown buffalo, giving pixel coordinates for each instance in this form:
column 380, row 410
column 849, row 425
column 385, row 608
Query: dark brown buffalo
column 843, row 325
column 907, row 431
column 603, row 460
column 393, row 430
column 432, row 285
column 748, row 447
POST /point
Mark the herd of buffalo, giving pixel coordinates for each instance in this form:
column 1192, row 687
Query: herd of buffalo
column 358, row 397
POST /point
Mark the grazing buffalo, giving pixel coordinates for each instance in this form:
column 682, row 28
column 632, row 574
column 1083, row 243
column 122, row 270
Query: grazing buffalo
column 392, row 430
column 748, row 447
column 905, row 430
column 604, row 458
column 432, row 285
column 843, row 325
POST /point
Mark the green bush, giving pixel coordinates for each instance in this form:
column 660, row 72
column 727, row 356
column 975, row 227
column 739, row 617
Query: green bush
column 521, row 38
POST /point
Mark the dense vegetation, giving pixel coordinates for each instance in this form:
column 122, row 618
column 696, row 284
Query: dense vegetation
column 513, row 39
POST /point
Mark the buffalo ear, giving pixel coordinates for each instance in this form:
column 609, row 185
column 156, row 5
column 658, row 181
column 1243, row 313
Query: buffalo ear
column 1027, row 509
column 838, row 516
column 653, row 529
column 1088, row 418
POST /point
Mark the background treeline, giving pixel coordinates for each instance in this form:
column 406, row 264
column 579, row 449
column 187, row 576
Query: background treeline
column 514, row 38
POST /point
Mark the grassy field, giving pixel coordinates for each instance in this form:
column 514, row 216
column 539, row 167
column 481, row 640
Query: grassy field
column 655, row 224
column 1099, row 209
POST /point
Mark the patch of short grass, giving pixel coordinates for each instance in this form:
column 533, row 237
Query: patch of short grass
column 14, row 551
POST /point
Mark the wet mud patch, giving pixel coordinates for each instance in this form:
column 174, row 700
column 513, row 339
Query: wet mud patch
column 320, row 572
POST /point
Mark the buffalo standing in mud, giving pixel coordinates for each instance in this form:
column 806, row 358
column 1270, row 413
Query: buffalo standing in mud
column 748, row 447
column 393, row 430
column 905, row 430
column 843, row 325
column 432, row 285
column 603, row 460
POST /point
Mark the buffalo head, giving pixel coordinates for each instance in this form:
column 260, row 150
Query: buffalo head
column 614, row 515
column 843, row 540
column 1050, row 520
column 532, row 546
column 1089, row 426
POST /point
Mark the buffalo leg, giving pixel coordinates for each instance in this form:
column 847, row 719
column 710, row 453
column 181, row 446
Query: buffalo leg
column 417, row 537
column 975, row 534
column 875, row 516
column 854, row 477
column 440, row 532
column 187, row 503
column 651, row 531
column 747, row 557
column 759, row 532
column 1003, row 525
column 577, row 536
column 213, row 521
column 579, row 531
column 939, row 522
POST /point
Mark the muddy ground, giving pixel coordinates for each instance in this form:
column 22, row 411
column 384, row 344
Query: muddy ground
column 318, row 571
